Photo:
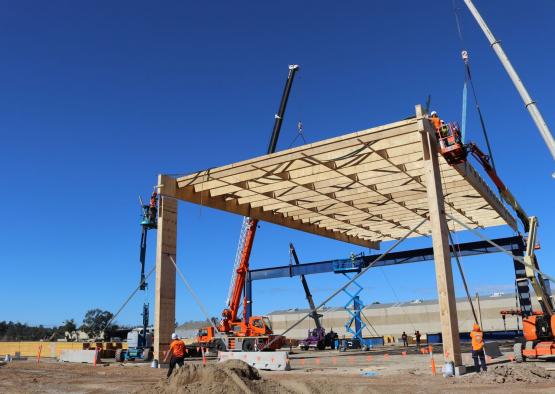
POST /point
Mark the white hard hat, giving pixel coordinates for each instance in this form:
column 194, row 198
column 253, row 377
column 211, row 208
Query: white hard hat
column 174, row 336
column 433, row 113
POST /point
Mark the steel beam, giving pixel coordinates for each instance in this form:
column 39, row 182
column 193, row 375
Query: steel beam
column 393, row 258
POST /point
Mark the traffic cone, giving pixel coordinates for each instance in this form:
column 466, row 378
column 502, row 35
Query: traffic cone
column 40, row 351
column 433, row 367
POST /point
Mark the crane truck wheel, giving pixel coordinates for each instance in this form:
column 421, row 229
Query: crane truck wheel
column 219, row 346
column 321, row 345
column 248, row 345
column 517, row 349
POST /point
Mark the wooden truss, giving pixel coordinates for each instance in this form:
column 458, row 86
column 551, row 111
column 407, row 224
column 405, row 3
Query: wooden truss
column 362, row 188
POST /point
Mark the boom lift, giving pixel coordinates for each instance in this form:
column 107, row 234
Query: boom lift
column 538, row 328
column 248, row 332
column 139, row 340
column 317, row 337
column 455, row 152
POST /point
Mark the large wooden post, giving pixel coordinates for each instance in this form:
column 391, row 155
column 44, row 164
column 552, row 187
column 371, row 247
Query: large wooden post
column 166, row 246
column 440, row 240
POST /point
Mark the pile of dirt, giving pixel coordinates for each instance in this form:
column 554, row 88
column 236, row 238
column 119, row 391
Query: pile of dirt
column 228, row 377
column 510, row 373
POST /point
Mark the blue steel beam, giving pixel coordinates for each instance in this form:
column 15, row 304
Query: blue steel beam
column 393, row 258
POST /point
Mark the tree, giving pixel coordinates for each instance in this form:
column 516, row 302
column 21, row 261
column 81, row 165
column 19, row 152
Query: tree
column 95, row 323
column 10, row 331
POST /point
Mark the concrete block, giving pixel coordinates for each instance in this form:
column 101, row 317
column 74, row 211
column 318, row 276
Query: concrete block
column 273, row 361
column 460, row 370
column 79, row 356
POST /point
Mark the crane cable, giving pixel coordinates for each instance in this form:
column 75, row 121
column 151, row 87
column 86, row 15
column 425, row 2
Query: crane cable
column 468, row 80
column 127, row 300
column 399, row 303
column 457, row 253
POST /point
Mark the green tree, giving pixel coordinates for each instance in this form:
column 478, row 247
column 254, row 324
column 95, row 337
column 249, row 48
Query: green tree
column 95, row 323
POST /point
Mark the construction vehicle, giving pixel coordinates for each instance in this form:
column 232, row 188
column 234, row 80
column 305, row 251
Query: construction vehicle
column 317, row 337
column 538, row 327
column 139, row 340
column 249, row 332
column 456, row 152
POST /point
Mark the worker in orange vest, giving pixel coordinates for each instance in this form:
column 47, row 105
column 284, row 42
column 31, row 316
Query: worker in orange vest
column 478, row 348
column 152, row 206
column 436, row 121
column 177, row 353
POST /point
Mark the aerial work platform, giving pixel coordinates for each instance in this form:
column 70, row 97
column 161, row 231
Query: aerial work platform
column 362, row 188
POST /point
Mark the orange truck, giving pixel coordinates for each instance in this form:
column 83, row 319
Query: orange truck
column 255, row 335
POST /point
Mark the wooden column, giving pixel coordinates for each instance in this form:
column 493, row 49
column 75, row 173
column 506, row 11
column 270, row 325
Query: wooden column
column 440, row 234
column 166, row 246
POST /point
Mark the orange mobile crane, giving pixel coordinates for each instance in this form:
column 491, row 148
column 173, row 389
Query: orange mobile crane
column 249, row 332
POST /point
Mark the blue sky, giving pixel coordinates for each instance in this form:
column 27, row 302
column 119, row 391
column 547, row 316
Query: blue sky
column 97, row 98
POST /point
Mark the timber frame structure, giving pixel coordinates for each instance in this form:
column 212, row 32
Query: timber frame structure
column 362, row 188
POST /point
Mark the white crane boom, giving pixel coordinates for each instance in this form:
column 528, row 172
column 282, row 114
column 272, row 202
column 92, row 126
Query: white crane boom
column 528, row 102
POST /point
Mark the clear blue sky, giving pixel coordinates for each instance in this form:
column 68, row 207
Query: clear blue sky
column 97, row 98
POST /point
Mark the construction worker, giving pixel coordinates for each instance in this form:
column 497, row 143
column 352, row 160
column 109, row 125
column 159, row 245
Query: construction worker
column 177, row 352
column 152, row 206
column 478, row 348
column 436, row 121
column 405, row 338
column 417, row 336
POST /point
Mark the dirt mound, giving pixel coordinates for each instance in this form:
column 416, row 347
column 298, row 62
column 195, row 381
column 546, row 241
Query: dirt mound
column 229, row 377
column 511, row 373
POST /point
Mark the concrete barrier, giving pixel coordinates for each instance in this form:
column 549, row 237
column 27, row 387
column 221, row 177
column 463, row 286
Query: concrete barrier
column 80, row 356
column 51, row 349
column 273, row 361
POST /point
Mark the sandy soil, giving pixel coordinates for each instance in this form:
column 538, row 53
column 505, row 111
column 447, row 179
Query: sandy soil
column 388, row 370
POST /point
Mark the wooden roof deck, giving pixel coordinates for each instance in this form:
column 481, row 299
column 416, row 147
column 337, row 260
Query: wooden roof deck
column 360, row 188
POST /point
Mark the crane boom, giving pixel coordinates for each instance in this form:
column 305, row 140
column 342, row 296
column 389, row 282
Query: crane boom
column 313, row 313
column 483, row 159
column 250, row 225
column 528, row 102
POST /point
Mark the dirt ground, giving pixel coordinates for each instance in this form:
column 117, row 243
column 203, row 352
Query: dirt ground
column 381, row 370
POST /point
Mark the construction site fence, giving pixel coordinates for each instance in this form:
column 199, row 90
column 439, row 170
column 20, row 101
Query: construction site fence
column 54, row 349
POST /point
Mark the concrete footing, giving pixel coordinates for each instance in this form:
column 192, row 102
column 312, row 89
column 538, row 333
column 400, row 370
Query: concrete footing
column 80, row 356
column 460, row 370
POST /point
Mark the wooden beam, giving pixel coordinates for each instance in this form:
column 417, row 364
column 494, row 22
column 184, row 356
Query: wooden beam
column 470, row 174
column 166, row 246
column 440, row 241
column 219, row 202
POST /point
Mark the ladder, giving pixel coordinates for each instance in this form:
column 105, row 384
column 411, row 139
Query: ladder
column 238, row 254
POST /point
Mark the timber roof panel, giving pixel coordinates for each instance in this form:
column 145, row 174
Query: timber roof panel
column 362, row 188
